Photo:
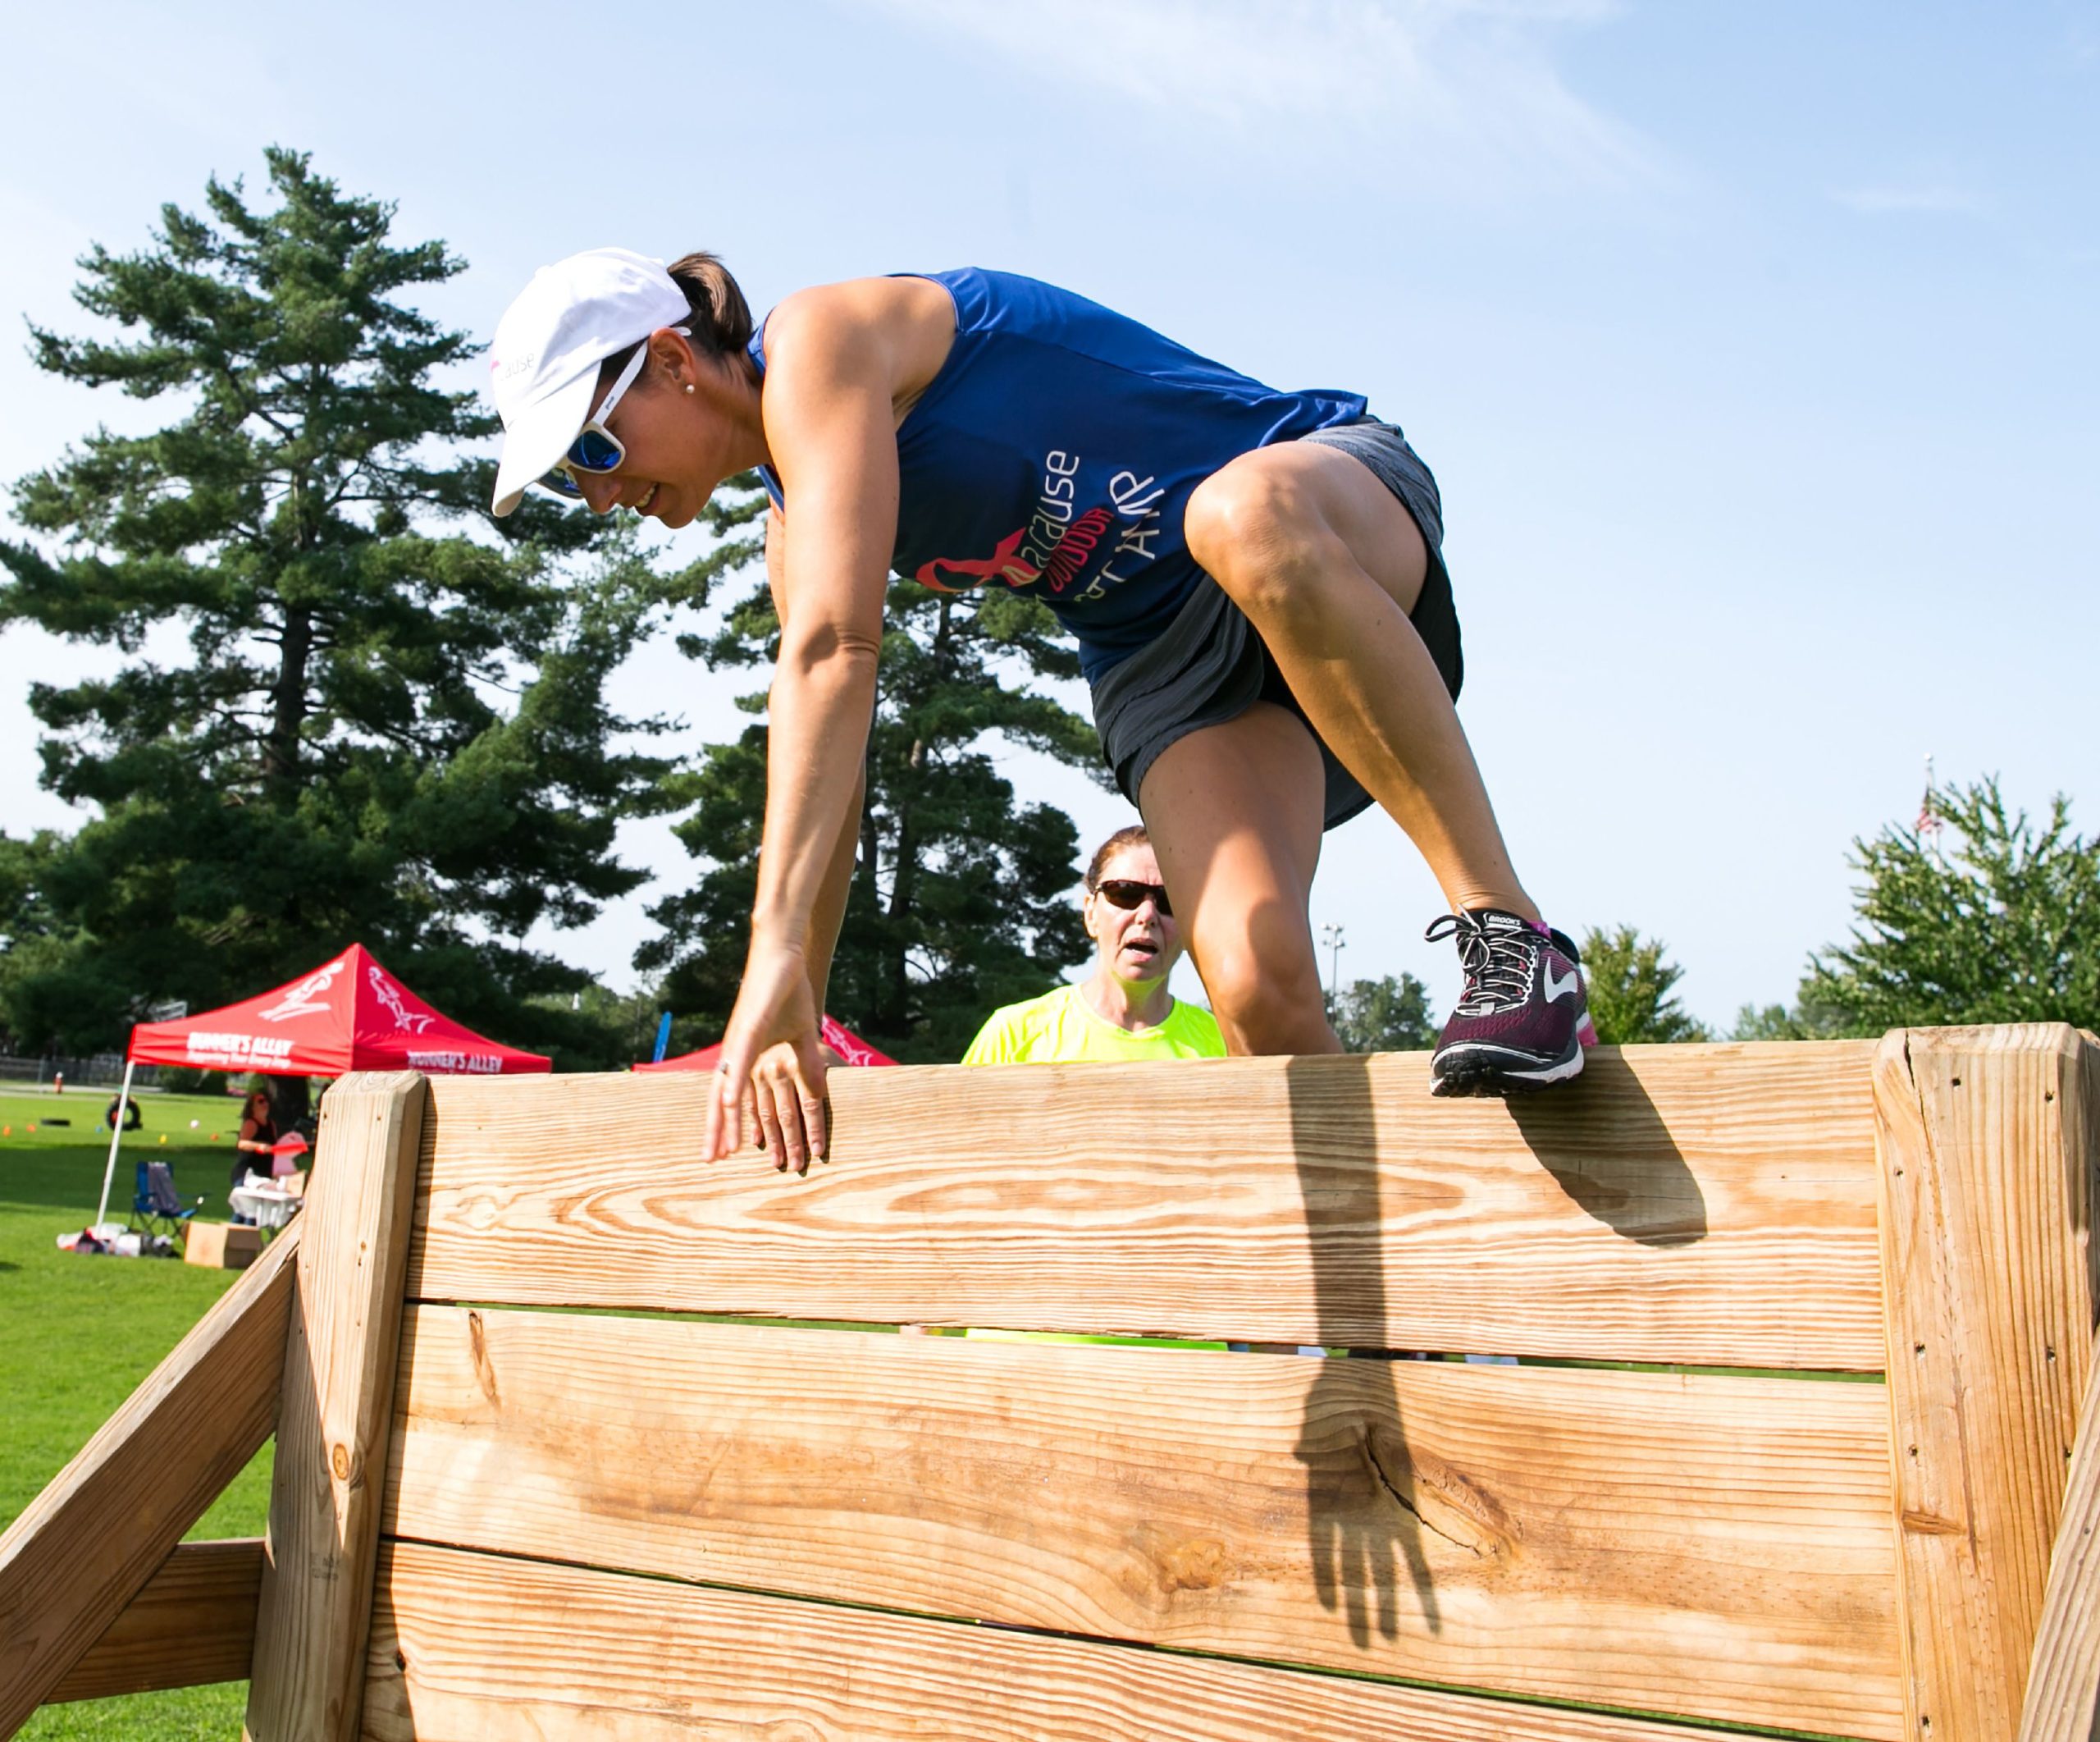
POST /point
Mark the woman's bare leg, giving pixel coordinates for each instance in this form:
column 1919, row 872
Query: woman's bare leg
column 1327, row 564
column 1235, row 812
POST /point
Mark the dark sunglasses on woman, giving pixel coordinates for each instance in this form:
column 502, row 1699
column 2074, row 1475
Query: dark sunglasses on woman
column 1121, row 892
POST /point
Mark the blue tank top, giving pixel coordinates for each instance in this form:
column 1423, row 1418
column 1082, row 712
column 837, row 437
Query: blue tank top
column 1056, row 451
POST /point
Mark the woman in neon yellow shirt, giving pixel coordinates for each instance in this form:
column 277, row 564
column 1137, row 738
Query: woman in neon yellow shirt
column 1123, row 1011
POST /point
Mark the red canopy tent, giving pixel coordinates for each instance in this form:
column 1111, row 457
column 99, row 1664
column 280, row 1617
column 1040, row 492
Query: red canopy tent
column 833, row 1033
column 349, row 1014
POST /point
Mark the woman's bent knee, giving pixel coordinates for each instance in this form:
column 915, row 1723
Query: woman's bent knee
column 1290, row 531
column 1268, row 1006
column 1250, row 527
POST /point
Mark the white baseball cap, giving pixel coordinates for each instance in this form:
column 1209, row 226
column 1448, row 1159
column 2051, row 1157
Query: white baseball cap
column 543, row 363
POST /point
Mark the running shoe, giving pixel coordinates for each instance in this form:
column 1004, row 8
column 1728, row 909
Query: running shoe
column 1524, row 1018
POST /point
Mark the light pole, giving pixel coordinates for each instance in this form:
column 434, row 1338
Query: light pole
column 1331, row 936
column 1929, row 825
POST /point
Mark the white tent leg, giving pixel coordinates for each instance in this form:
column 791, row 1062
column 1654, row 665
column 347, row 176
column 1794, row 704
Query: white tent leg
column 116, row 1135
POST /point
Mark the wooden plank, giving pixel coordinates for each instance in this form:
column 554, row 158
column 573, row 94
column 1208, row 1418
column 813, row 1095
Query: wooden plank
column 1987, row 1140
column 1703, row 1545
column 1703, row 1205
column 194, row 1623
column 2063, row 1681
column 340, row 1353
column 474, row 1645
column 87, row 1545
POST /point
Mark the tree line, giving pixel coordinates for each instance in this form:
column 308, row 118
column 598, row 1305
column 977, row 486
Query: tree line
column 335, row 699
column 1978, row 913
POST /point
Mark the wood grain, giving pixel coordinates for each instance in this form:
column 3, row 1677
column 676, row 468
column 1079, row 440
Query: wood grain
column 87, row 1545
column 1702, row 1205
column 194, row 1623
column 1707, row 1545
column 467, row 1646
column 1986, row 1138
column 2063, row 1683
column 342, row 1350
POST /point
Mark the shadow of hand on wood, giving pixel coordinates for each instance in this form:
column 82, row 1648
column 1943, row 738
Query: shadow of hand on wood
column 1362, row 1526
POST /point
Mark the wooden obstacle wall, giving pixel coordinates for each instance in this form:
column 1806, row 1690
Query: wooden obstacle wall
column 496, row 1515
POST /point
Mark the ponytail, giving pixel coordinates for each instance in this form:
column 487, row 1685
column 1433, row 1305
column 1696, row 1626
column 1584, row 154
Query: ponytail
column 721, row 317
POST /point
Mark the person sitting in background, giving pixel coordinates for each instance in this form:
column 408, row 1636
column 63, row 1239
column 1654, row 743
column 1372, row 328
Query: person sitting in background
column 134, row 1120
column 1122, row 1010
column 254, row 1151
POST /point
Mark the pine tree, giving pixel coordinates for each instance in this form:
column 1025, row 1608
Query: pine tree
column 338, row 757
column 1629, row 985
column 2004, row 926
column 1809, row 1018
column 961, row 900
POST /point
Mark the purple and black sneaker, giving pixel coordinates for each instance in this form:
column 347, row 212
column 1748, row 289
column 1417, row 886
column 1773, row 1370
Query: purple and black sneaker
column 1524, row 1018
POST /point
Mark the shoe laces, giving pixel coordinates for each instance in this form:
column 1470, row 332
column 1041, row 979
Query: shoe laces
column 1498, row 965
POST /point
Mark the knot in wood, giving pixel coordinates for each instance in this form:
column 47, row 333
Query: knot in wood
column 1442, row 1498
column 1196, row 1564
column 338, row 1461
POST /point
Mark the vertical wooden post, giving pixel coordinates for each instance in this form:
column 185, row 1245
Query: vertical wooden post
column 1987, row 1140
column 341, row 1355
column 2063, row 1690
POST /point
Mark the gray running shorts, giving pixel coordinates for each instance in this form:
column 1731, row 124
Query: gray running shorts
column 1208, row 666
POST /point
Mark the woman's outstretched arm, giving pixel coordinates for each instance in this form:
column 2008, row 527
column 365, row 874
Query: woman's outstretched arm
column 830, row 428
column 775, row 1098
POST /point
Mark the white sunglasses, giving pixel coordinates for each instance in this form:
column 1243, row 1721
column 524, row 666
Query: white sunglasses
column 597, row 450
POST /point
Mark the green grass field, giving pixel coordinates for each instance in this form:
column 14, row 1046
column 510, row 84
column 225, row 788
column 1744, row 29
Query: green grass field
column 77, row 1334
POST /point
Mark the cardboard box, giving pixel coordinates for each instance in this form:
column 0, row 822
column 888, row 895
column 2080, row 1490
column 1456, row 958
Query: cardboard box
column 222, row 1245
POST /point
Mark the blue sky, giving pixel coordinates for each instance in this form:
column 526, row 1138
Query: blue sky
column 1753, row 346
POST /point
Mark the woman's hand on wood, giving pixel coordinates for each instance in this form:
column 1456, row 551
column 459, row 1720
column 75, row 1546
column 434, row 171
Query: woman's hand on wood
column 772, row 1068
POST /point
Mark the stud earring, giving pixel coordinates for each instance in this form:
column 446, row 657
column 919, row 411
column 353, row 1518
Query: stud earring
column 688, row 386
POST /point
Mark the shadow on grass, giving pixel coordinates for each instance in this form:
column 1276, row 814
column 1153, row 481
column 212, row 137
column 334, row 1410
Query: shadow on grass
column 83, row 1331
column 67, row 1177
column 207, row 1714
column 53, row 1177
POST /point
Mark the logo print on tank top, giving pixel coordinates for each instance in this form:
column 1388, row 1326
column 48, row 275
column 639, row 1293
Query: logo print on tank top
column 1003, row 564
column 1072, row 553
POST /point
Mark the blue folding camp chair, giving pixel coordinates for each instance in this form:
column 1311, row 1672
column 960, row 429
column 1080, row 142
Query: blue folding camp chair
column 158, row 1215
